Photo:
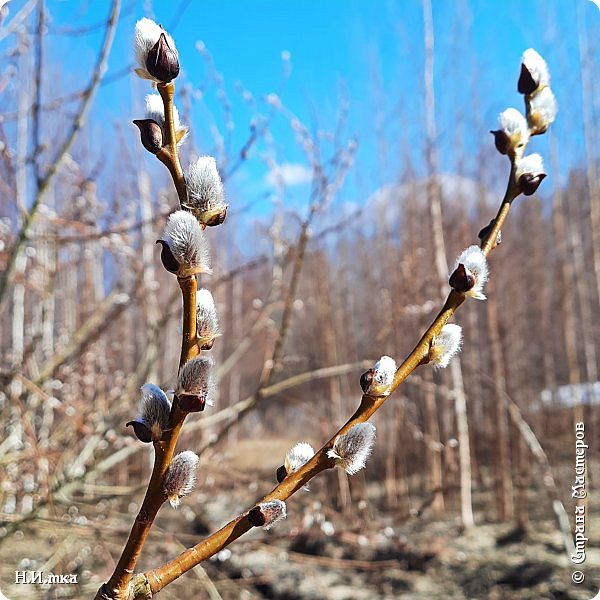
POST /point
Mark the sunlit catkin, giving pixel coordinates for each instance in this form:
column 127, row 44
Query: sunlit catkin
column 351, row 450
column 180, row 477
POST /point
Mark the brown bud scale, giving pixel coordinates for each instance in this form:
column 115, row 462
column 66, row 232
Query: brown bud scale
column 501, row 141
column 217, row 219
column 150, row 134
column 256, row 517
column 281, row 474
column 191, row 402
column 166, row 256
column 461, row 280
column 526, row 84
column 162, row 61
column 141, row 431
column 366, row 379
column 486, row 230
column 529, row 183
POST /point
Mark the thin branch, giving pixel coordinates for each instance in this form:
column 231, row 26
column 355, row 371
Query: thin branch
column 35, row 109
column 118, row 585
column 168, row 154
column 162, row 576
column 17, row 19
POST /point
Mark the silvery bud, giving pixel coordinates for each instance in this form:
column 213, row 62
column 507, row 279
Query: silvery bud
column 378, row 380
column 154, row 410
column 541, row 110
column 266, row 514
column 205, row 192
column 470, row 273
column 351, row 450
column 513, row 133
column 534, row 72
column 184, row 248
column 445, row 345
column 180, row 477
column 530, row 173
column 297, row 456
column 153, row 126
column 207, row 324
column 155, row 52
column 195, row 384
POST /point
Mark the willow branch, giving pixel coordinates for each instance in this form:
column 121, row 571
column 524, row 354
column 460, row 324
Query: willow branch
column 158, row 578
column 118, row 586
column 168, row 154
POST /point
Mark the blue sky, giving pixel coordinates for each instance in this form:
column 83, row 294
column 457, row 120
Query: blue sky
column 369, row 52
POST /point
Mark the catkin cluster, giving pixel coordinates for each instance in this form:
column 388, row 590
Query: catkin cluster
column 184, row 252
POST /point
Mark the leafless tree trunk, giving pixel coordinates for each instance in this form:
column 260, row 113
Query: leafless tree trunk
column 435, row 210
column 567, row 286
column 589, row 128
column 502, row 464
column 331, row 358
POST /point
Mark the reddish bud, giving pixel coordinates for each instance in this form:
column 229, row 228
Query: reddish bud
column 526, row 84
column 166, row 256
column 141, row 430
column 162, row 61
column 150, row 134
column 461, row 280
column 529, row 183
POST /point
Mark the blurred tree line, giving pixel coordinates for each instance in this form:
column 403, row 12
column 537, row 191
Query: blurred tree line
column 88, row 315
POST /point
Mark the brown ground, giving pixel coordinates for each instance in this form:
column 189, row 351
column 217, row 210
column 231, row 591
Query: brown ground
column 372, row 553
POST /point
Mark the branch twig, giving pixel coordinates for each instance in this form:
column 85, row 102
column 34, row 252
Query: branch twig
column 162, row 576
column 117, row 587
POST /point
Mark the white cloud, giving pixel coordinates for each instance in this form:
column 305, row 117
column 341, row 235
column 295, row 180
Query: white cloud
column 288, row 174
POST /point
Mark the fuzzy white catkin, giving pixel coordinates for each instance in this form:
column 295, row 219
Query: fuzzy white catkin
column 297, row 456
column 537, row 67
column 543, row 109
column 475, row 262
column 154, row 409
column 147, row 33
column 514, row 125
column 155, row 109
column 207, row 323
column 180, row 477
column 352, row 449
column 195, row 377
column 205, row 188
column 445, row 345
column 532, row 163
column 186, row 240
column 383, row 374
column 272, row 512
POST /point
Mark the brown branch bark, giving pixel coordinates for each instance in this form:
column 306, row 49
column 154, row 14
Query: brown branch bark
column 439, row 248
column 160, row 577
column 118, row 586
